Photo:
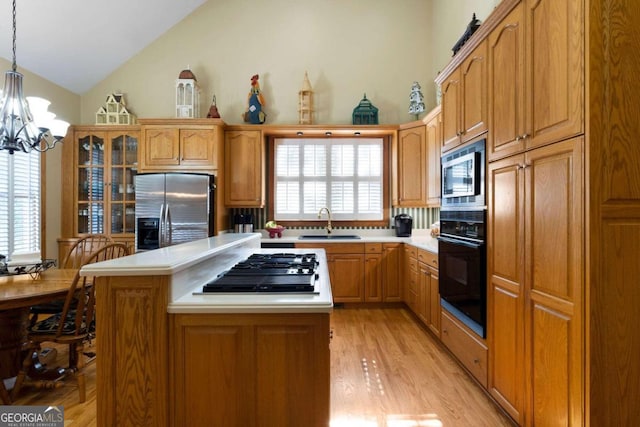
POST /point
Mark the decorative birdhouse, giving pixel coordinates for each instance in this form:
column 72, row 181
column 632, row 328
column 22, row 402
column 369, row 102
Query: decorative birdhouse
column 187, row 95
column 114, row 112
column 365, row 113
column 305, row 102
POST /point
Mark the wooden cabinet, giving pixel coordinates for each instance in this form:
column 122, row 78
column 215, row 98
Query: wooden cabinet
column 416, row 162
column 178, row 145
column 392, row 290
column 346, row 262
column 362, row 272
column 505, row 287
column 412, row 165
column 260, row 365
column 507, row 86
column 98, row 193
column 464, row 100
column 244, row 168
column 545, row 104
column 468, row 349
column 373, row 272
column 434, row 143
column 536, row 269
column 410, row 277
column 554, row 37
column 428, row 290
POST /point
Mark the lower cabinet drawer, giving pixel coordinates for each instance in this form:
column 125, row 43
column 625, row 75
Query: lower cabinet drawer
column 468, row 349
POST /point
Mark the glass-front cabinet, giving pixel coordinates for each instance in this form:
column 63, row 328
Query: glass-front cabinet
column 107, row 163
column 98, row 173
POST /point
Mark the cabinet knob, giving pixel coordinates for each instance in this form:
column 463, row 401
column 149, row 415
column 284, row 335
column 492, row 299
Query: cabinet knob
column 445, row 331
column 476, row 360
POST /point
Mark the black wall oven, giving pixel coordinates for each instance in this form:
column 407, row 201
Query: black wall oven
column 462, row 261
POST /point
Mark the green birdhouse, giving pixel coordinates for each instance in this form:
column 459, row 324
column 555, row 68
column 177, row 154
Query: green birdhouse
column 365, row 113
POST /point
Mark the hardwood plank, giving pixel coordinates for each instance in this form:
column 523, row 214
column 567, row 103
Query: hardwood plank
column 386, row 371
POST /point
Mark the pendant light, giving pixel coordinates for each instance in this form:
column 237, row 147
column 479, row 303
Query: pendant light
column 18, row 131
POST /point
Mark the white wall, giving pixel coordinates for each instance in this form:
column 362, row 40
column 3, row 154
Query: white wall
column 347, row 47
column 66, row 106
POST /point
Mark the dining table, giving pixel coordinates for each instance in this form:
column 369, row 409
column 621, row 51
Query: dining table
column 18, row 292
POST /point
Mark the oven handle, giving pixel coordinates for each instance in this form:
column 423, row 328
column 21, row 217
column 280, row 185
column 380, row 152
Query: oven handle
column 474, row 245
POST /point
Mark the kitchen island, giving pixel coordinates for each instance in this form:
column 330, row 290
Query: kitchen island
column 168, row 355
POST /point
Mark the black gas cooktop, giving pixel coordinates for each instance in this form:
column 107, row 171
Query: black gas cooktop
column 278, row 272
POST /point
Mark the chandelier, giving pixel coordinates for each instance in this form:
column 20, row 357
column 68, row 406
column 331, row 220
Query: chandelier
column 18, row 131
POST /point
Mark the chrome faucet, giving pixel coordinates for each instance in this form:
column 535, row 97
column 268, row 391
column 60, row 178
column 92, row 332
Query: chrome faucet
column 328, row 227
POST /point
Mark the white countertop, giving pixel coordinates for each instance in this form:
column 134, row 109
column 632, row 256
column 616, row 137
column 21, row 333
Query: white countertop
column 191, row 265
column 420, row 238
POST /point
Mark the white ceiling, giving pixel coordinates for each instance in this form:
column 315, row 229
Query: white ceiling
column 77, row 43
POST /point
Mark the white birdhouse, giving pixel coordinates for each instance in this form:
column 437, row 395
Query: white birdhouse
column 187, row 95
column 305, row 103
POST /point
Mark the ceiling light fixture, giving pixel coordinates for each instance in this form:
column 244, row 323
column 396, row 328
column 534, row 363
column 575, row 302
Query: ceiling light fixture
column 18, row 131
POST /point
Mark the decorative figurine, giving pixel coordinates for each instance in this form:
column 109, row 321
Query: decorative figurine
column 305, row 102
column 416, row 100
column 471, row 28
column 365, row 113
column 254, row 113
column 187, row 95
column 213, row 110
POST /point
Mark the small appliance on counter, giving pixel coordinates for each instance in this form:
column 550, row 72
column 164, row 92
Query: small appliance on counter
column 243, row 223
column 403, row 225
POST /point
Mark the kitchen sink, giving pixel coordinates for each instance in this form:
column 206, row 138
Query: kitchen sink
column 328, row 236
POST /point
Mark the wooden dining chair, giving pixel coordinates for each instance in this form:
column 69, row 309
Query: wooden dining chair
column 82, row 249
column 77, row 256
column 73, row 326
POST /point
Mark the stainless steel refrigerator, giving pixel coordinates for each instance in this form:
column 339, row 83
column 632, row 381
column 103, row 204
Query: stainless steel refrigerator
column 173, row 208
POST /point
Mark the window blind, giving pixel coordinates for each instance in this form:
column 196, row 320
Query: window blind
column 20, row 205
column 343, row 174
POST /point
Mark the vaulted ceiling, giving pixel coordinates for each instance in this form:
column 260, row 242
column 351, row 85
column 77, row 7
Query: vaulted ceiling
column 77, row 43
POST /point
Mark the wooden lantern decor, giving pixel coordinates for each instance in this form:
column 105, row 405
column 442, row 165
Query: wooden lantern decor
column 305, row 102
column 187, row 95
column 365, row 113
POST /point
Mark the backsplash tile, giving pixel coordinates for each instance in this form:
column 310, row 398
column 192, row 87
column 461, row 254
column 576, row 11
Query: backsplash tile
column 422, row 218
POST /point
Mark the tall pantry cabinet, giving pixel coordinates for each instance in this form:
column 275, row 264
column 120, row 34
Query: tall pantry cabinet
column 563, row 209
column 536, row 213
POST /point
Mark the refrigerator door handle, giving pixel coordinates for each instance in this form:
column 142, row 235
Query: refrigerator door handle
column 169, row 226
column 161, row 231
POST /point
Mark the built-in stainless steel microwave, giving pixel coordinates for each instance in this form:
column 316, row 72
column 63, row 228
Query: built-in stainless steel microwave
column 463, row 176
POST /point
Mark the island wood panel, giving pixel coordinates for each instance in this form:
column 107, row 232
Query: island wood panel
column 251, row 369
column 132, row 326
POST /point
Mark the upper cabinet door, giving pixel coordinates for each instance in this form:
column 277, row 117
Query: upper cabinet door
column 412, row 167
column 474, row 93
column 197, row 147
column 506, row 86
column 555, row 64
column 451, row 100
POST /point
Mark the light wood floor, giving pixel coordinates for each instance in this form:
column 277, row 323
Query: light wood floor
column 386, row 371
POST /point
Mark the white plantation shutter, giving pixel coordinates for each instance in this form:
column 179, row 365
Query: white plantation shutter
column 20, row 205
column 343, row 174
